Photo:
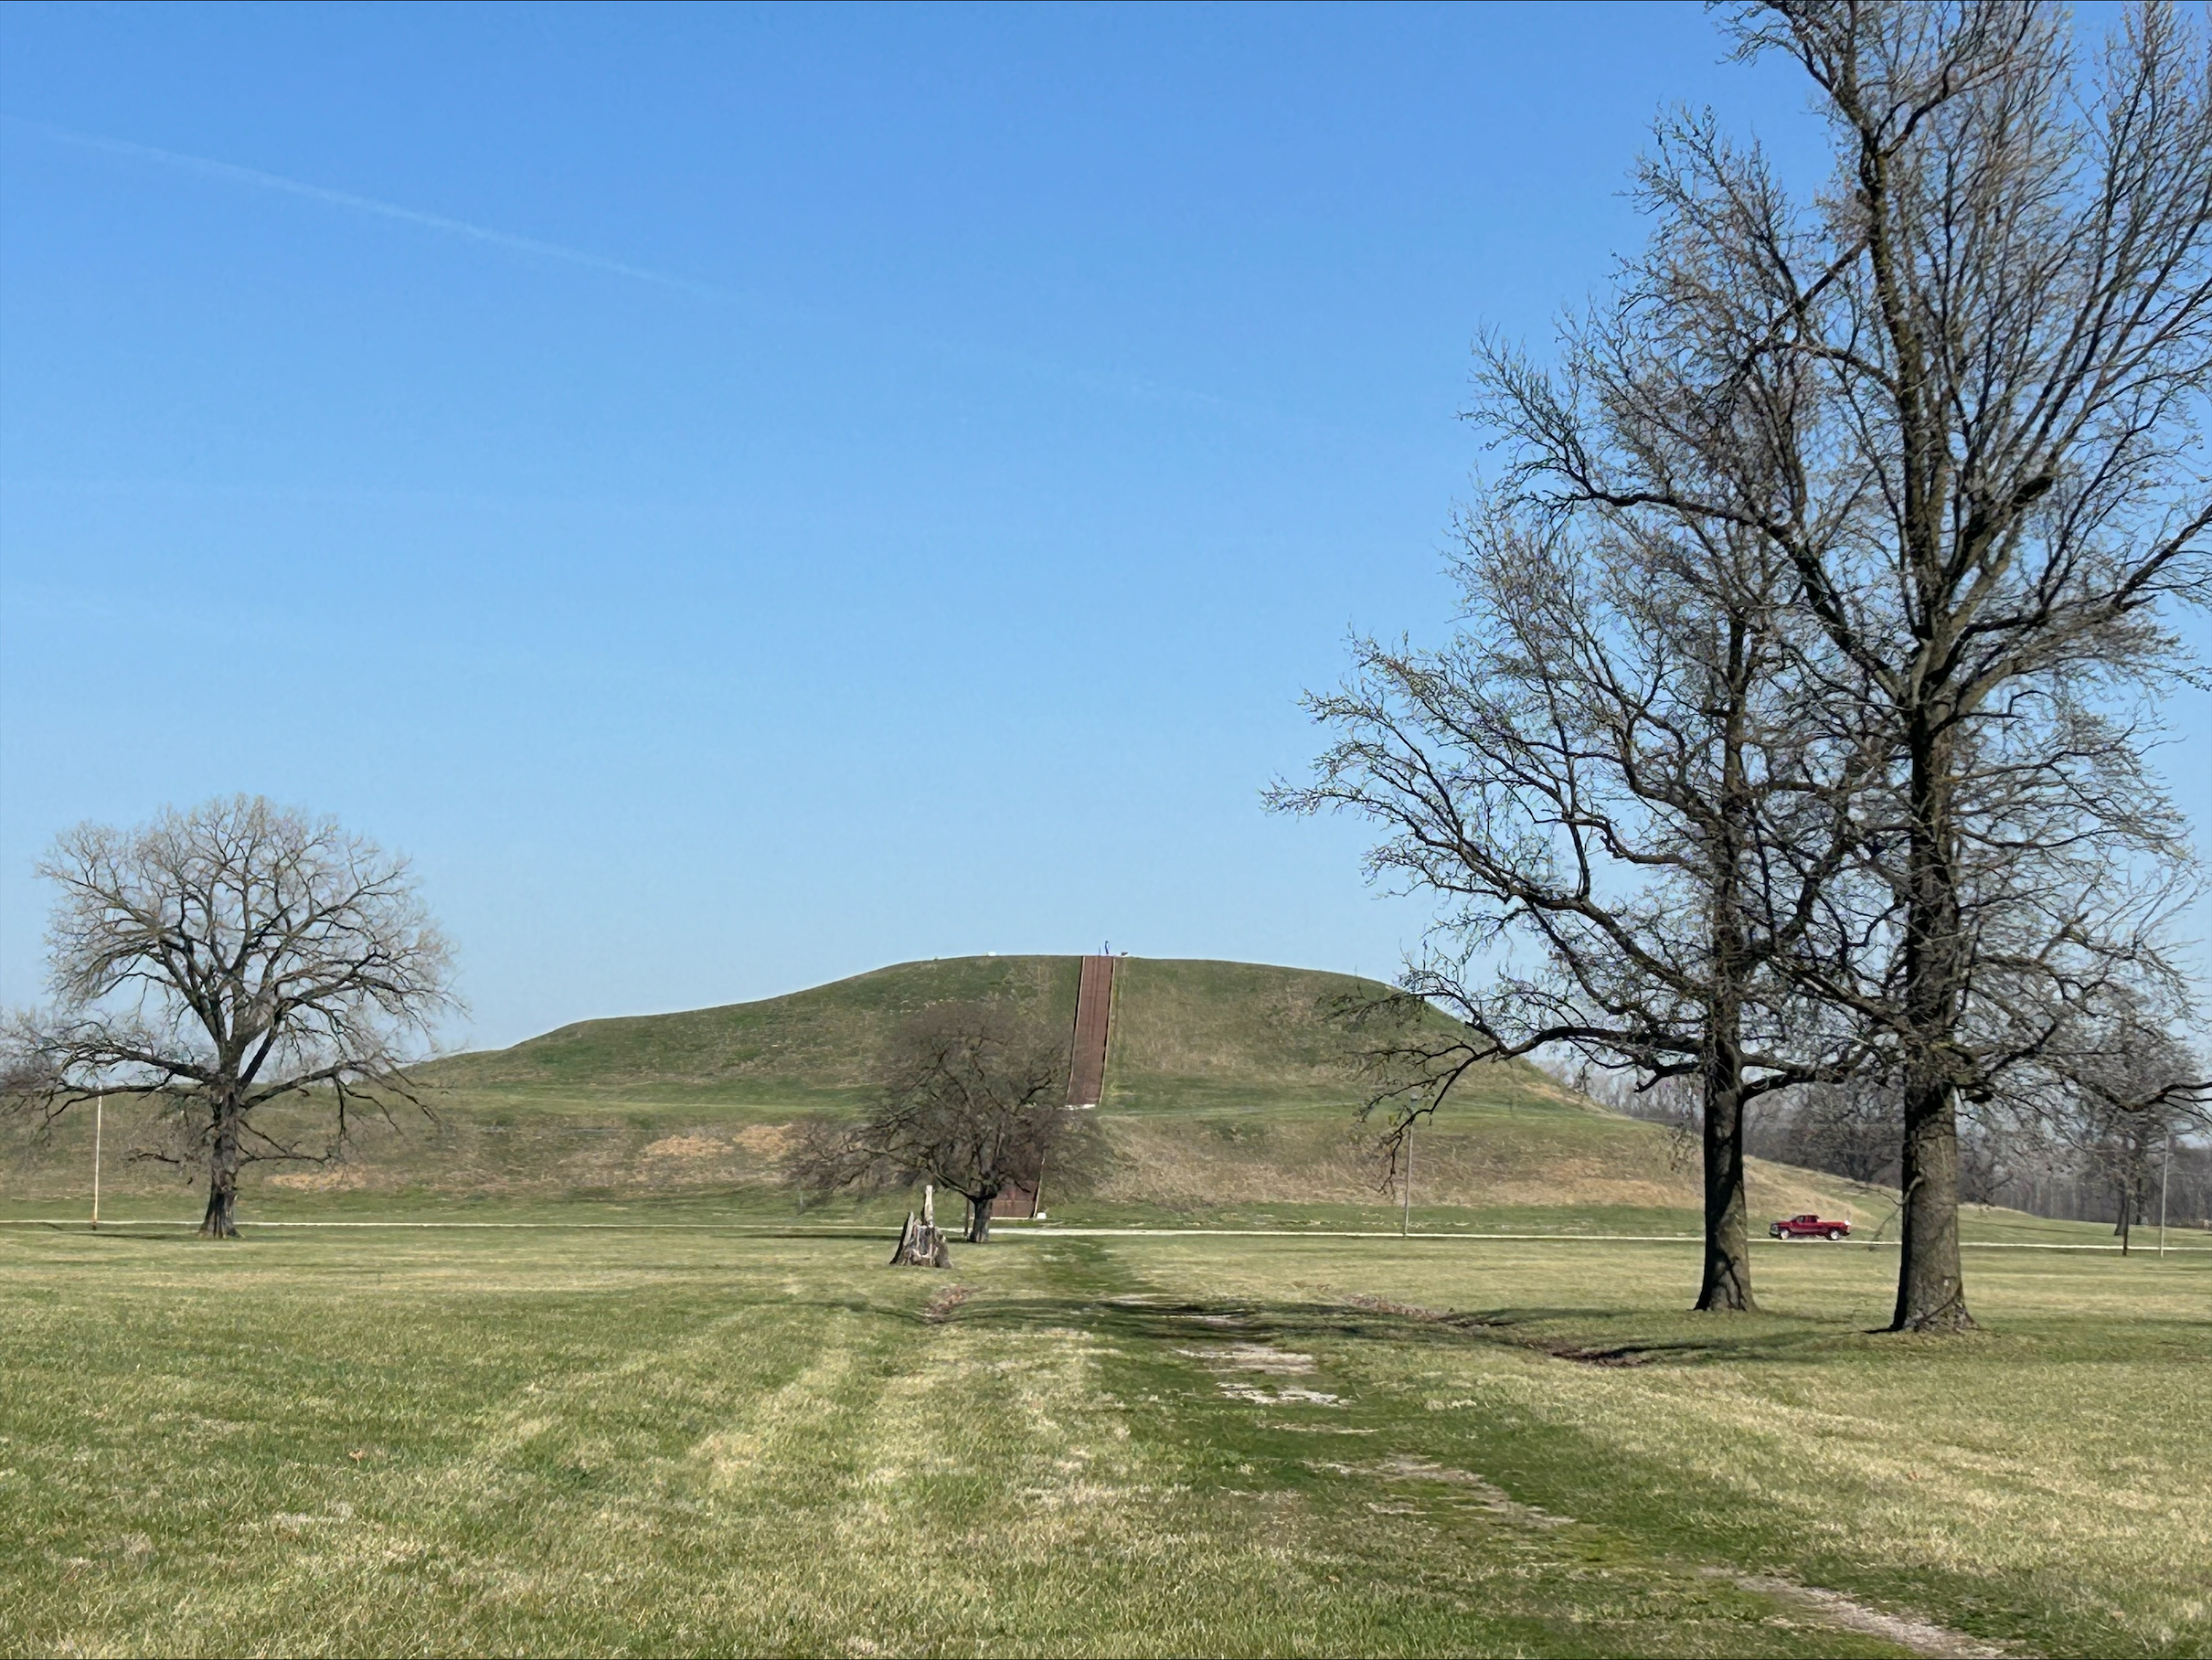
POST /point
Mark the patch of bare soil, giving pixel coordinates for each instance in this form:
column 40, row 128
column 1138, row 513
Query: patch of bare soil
column 706, row 1155
column 1834, row 1608
column 765, row 1140
column 1400, row 1466
column 941, row 1306
column 335, row 1178
column 1287, row 1394
column 1254, row 1357
column 1246, row 1357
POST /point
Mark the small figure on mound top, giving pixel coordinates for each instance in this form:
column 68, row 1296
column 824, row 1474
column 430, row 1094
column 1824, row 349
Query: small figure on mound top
column 922, row 1244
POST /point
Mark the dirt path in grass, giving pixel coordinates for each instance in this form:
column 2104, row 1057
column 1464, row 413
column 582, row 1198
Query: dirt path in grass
column 1245, row 1398
column 1834, row 1608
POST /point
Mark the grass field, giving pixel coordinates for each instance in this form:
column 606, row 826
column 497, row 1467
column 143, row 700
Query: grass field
column 649, row 1407
column 680, row 1441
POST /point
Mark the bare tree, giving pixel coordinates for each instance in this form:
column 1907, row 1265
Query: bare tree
column 1850, row 1128
column 219, row 960
column 1992, row 333
column 1987, row 1163
column 1615, row 762
column 2115, row 1103
column 973, row 1099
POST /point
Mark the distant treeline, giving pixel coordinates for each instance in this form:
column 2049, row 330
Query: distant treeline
column 2084, row 1168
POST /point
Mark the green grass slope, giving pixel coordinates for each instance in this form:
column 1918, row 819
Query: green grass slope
column 1187, row 1035
column 814, row 1046
column 1193, row 1035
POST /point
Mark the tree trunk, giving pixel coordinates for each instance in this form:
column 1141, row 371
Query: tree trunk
column 1931, row 1284
column 1727, row 1243
column 1930, row 1287
column 220, row 1221
column 922, row 1244
column 979, row 1217
column 1726, row 1283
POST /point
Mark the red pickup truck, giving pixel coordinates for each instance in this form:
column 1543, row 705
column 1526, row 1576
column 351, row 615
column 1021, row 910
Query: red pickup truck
column 1808, row 1228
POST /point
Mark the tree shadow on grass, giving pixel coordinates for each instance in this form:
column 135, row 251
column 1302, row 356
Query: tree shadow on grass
column 1574, row 1335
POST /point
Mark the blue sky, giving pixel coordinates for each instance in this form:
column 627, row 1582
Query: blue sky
column 746, row 495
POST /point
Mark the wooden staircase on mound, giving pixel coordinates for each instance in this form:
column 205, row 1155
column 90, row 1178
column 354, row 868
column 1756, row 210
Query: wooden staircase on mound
column 1093, row 1017
column 1085, row 1063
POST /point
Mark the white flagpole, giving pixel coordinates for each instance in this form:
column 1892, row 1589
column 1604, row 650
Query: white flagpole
column 1405, row 1217
column 2165, row 1169
column 100, row 1104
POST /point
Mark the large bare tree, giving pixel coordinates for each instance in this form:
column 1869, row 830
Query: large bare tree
column 973, row 1099
column 1610, row 781
column 1960, row 390
column 219, row 960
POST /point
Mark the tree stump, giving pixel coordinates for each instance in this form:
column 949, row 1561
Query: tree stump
column 922, row 1244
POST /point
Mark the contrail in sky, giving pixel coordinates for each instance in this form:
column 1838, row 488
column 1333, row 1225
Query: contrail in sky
column 234, row 173
column 369, row 203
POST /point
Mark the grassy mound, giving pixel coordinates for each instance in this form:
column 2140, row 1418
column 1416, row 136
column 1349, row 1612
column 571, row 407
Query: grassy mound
column 1187, row 1035
column 1232, row 1098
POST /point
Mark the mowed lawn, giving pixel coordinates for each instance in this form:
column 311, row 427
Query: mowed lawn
column 549, row 1441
